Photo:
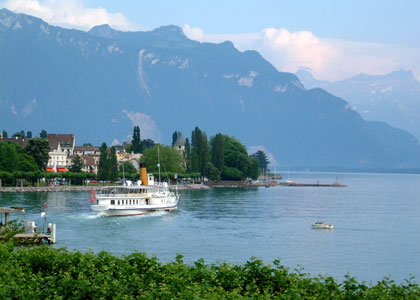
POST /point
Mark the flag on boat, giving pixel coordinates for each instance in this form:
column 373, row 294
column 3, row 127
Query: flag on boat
column 93, row 196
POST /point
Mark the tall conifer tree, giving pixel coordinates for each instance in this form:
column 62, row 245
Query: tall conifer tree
column 113, row 165
column 197, row 150
column 204, row 155
column 103, row 163
column 218, row 151
column 136, row 142
column 187, row 155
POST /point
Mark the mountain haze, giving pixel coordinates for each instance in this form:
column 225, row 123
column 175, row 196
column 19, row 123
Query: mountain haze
column 98, row 84
column 393, row 98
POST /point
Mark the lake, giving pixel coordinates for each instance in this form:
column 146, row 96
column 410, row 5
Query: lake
column 376, row 219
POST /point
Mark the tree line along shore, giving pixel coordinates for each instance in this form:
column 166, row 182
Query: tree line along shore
column 220, row 158
column 186, row 186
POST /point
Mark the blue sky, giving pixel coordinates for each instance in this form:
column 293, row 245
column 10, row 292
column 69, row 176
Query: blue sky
column 370, row 21
column 335, row 39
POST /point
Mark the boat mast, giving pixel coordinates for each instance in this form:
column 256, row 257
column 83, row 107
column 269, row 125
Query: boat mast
column 158, row 163
column 123, row 174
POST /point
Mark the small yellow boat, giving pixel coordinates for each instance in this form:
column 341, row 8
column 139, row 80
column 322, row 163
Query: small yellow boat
column 322, row 225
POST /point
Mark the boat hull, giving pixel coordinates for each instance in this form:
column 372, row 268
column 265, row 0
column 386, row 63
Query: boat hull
column 325, row 226
column 119, row 211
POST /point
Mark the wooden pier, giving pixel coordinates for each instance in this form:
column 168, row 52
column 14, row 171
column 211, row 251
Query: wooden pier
column 335, row 184
column 295, row 184
column 30, row 236
column 35, row 238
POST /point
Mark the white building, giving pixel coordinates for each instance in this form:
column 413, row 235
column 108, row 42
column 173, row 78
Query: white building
column 61, row 149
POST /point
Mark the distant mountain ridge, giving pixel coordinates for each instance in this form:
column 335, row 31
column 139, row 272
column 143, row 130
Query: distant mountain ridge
column 98, row 84
column 393, row 98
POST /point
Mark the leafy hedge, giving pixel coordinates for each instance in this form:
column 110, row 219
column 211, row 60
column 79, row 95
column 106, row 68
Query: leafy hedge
column 48, row 273
column 31, row 177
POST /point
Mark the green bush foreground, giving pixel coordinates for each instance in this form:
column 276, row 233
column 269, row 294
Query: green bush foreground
column 48, row 273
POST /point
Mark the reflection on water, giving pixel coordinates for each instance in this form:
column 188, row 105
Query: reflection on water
column 376, row 224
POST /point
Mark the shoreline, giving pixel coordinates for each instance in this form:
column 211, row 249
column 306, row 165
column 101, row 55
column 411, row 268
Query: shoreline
column 190, row 186
column 180, row 187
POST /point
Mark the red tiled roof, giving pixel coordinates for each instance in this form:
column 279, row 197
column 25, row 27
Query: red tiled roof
column 17, row 140
column 55, row 139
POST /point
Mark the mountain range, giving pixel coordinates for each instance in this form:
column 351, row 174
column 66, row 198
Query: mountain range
column 99, row 84
column 393, row 98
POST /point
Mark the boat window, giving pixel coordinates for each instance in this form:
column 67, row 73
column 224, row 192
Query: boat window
column 112, row 202
column 130, row 201
column 118, row 202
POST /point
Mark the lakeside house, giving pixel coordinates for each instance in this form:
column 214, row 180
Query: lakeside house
column 61, row 150
column 17, row 140
column 90, row 156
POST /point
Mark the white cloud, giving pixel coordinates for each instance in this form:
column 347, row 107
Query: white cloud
column 70, row 13
column 148, row 127
column 329, row 59
column 270, row 156
column 293, row 50
column 194, row 33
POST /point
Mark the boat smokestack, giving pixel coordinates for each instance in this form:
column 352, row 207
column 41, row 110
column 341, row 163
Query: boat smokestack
column 143, row 174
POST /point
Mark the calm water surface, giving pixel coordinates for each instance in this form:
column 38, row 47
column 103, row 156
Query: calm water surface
column 376, row 219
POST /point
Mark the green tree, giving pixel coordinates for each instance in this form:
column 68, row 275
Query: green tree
column 175, row 136
column 26, row 163
column 87, row 145
column 76, row 164
column 205, row 155
column 262, row 160
column 39, row 149
column 43, row 134
column 171, row 160
column 20, row 134
column 187, row 155
column 254, row 169
column 113, row 165
column 232, row 174
column 146, row 144
column 5, row 134
column 128, row 168
column 128, row 148
column 217, row 144
column 29, row 134
column 212, row 172
column 103, row 163
column 8, row 156
column 136, row 142
column 197, row 150
column 237, row 164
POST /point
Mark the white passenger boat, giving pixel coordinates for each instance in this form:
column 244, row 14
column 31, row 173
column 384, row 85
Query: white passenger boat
column 322, row 225
column 135, row 199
